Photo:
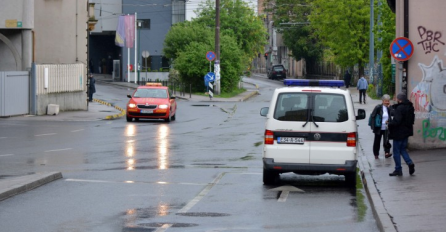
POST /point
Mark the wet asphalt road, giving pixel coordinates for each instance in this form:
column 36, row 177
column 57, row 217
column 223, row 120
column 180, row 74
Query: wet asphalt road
column 201, row 172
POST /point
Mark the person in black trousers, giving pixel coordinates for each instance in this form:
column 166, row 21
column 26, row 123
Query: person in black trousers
column 91, row 87
column 347, row 79
column 382, row 112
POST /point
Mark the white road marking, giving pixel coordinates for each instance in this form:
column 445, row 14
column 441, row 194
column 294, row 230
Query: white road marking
column 194, row 201
column 64, row 149
column 45, row 134
column 6, row 155
column 283, row 196
column 77, row 130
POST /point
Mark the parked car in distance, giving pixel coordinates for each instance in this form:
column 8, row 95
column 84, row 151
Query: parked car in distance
column 277, row 72
column 152, row 101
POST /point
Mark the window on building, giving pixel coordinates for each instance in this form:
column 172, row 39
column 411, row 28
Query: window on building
column 178, row 11
column 145, row 24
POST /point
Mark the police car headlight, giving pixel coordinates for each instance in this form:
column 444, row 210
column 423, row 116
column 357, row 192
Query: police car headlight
column 132, row 105
column 163, row 106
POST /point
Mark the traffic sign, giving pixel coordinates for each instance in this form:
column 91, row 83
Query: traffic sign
column 145, row 54
column 210, row 55
column 209, row 77
column 401, row 49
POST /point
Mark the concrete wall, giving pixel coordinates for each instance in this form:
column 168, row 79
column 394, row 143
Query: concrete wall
column 21, row 11
column 426, row 70
column 60, row 31
column 66, row 101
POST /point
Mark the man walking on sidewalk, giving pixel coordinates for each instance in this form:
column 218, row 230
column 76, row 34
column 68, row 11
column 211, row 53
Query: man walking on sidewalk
column 362, row 87
column 401, row 127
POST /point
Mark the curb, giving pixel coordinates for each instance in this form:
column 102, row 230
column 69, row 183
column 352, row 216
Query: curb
column 114, row 116
column 252, row 94
column 383, row 219
column 14, row 186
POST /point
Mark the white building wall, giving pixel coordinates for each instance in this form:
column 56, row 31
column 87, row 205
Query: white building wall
column 107, row 13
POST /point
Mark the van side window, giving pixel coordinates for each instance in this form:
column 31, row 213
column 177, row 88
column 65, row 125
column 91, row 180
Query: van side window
column 292, row 107
column 330, row 108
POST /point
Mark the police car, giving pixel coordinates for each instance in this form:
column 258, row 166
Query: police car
column 152, row 101
column 311, row 129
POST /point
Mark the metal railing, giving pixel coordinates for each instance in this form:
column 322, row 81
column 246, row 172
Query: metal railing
column 178, row 88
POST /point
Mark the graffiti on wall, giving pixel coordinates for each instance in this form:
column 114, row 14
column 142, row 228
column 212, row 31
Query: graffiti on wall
column 429, row 99
column 430, row 40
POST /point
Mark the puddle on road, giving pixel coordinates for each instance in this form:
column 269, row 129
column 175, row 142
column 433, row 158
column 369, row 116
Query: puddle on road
column 203, row 214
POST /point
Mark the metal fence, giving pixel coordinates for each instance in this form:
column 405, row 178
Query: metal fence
column 178, row 88
column 58, row 78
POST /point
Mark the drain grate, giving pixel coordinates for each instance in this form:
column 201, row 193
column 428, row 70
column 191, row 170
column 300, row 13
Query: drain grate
column 203, row 214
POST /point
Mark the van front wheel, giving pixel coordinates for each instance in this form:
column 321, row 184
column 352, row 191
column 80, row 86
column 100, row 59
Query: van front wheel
column 269, row 177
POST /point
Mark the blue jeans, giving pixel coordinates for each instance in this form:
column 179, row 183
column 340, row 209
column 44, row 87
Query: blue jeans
column 399, row 149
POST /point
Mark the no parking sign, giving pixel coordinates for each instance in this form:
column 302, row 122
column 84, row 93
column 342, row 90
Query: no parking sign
column 401, row 49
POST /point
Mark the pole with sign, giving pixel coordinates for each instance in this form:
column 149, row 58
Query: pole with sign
column 402, row 50
column 145, row 55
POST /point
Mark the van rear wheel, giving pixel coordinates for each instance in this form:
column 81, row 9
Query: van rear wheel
column 350, row 179
column 269, row 177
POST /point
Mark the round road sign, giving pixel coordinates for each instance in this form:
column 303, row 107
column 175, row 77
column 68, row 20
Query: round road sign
column 401, row 49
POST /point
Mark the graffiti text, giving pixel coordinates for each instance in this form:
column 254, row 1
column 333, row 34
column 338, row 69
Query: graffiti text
column 430, row 39
column 438, row 132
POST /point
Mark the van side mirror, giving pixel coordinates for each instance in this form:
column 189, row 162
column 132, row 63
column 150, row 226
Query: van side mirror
column 173, row 97
column 264, row 111
column 361, row 114
column 129, row 96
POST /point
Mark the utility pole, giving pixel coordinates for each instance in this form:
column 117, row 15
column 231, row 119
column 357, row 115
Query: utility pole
column 371, row 43
column 217, row 47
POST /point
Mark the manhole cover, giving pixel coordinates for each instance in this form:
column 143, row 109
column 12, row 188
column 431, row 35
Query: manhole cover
column 161, row 224
column 203, row 214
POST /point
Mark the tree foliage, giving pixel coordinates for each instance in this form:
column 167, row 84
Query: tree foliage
column 242, row 37
column 343, row 27
column 384, row 35
column 291, row 20
column 238, row 20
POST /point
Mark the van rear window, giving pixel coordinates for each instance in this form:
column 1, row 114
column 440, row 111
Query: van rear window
column 324, row 107
column 330, row 108
column 292, row 107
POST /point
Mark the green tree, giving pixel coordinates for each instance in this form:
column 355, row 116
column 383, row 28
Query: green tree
column 238, row 20
column 193, row 65
column 343, row 27
column 384, row 35
column 291, row 20
column 182, row 34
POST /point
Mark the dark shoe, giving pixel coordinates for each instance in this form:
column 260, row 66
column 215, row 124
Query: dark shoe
column 396, row 173
column 388, row 155
column 411, row 168
column 376, row 157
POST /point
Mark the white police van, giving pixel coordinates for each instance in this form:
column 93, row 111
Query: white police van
column 311, row 129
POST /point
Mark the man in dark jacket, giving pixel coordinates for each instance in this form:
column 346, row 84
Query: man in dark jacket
column 401, row 127
column 347, row 79
column 91, row 87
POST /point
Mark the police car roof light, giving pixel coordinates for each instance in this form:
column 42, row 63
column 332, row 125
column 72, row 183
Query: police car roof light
column 153, row 84
column 306, row 82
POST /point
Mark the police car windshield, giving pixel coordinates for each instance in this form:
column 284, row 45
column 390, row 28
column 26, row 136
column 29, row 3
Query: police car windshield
column 324, row 108
column 150, row 93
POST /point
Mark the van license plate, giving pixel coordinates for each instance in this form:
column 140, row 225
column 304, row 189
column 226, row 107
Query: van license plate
column 291, row 140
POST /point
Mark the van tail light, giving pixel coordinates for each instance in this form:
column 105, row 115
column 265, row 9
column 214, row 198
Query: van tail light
column 351, row 139
column 269, row 137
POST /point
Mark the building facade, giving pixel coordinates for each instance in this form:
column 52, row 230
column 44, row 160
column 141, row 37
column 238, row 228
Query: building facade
column 423, row 76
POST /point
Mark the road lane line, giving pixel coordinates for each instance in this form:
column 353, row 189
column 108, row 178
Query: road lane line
column 45, row 134
column 78, row 130
column 64, row 149
column 194, row 201
column 135, row 182
column 6, row 155
column 283, row 196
